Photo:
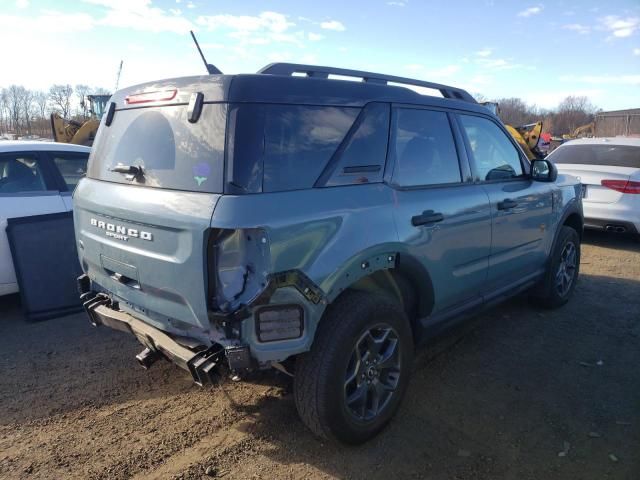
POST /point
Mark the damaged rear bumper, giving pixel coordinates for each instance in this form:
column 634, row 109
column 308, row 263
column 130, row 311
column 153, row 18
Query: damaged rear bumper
column 201, row 362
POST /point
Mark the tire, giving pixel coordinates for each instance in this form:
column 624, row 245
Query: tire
column 551, row 292
column 334, row 369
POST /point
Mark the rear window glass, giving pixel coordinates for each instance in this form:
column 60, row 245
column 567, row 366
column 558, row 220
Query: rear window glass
column 612, row 155
column 172, row 152
column 283, row 147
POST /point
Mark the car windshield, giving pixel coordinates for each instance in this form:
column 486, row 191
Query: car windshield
column 611, row 155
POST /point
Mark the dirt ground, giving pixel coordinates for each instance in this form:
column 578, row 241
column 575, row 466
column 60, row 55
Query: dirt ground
column 517, row 393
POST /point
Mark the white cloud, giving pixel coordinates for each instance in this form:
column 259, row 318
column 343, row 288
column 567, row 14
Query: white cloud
column 621, row 27
column 636, row 51
column 47, row 22
column 191, row 5
column 497, row 63
column 530, row 11
column 333, row 25
column 22, row 3
column 485, row 52
column 314, row 37
column 140, row 15
column 396, row 4
column 175, row 11
column 578, row 28
column 262, row 29
column 633, row 80
column 267, row 21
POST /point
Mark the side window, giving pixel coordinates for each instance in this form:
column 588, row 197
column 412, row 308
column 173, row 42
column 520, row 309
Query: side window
column 424, row 149
column 72, row 167
column 495, row 156
column 20, row 173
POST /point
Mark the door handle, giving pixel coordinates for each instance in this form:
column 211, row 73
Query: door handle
column 428, row 216
column 506, row 204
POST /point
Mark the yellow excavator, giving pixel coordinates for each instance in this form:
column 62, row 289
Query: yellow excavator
column 527, row 136
column 80, row 133
column 588, row 130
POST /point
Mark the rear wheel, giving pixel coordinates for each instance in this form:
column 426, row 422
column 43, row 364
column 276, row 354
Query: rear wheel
column 562, row 272
column 349, row 386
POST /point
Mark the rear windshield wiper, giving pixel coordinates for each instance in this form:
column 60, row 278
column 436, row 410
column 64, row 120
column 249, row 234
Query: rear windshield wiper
column 134, row 170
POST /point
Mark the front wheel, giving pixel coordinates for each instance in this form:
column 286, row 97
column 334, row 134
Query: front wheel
column 562, row 271
column 351, row 383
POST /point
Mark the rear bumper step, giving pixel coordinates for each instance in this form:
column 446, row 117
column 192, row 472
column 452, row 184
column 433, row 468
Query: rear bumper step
column 202, row 364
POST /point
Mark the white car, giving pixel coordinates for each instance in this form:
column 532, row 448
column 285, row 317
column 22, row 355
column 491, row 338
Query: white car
column 36, row 178
column 609, row 169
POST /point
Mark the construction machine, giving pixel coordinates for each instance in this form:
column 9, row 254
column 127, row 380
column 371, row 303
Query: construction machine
column 527, row 136
column 80, row 133
column 582, row 131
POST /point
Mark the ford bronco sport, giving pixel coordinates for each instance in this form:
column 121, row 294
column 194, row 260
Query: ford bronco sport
column 324, row 227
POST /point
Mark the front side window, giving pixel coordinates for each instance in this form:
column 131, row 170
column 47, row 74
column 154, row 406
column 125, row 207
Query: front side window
column 494, row 155
column 20, row 173
column 72, row 167
column 424, row 149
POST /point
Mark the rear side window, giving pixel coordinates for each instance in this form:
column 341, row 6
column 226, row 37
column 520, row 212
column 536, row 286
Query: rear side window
column 71, row 166
column 20, row 173
column 275, row 148
column 495, row 157
column 172, row 152
column 611, row 155
column 424, row 149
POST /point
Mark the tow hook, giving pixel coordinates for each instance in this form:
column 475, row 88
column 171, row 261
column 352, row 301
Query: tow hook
column 148, row 357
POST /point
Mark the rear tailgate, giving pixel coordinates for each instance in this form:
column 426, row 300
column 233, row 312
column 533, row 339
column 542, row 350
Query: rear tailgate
column 157, row 264
column 142, row 236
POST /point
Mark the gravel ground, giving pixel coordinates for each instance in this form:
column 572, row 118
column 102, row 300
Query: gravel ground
column 516, row 393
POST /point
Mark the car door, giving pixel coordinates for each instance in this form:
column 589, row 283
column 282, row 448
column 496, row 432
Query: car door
column 442, row 218
column 521, row 208
column 70, row 167
column 26, row 188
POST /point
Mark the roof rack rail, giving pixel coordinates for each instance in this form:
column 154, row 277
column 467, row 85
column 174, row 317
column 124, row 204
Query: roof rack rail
column 315, row 71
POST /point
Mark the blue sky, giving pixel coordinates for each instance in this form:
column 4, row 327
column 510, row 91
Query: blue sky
column 540, row 52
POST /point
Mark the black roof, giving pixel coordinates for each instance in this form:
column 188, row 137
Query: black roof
column 282, row 83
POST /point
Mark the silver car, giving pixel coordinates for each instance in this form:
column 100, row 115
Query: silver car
column 609, row 169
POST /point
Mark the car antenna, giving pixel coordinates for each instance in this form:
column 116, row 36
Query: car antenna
column 212, row 69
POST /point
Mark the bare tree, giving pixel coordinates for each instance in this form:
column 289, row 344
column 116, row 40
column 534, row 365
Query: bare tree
column 15, row 94
column 60, row 96
column 574, row 112
column 28, row 112
column 514, row 111
column 41, row 101
column 81, row 92
column 4, row 111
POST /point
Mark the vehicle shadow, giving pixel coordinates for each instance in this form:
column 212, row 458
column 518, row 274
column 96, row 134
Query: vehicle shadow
column 498, row 397
column 599, row 238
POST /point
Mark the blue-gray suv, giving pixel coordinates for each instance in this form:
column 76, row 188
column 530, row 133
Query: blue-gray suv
column 321, row 226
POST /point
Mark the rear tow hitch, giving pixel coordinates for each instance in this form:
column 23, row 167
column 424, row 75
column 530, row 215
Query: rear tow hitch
column 148, row 357
column 204, row 365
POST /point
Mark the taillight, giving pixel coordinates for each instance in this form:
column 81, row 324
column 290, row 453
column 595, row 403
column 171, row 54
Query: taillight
column 623, row 186
column 156, row 96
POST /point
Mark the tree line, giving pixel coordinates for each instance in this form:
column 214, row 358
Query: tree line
column 27, row 112
column 571, row 113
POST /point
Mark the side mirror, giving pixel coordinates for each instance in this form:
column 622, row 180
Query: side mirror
column 543, row 171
